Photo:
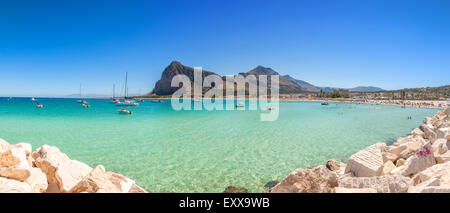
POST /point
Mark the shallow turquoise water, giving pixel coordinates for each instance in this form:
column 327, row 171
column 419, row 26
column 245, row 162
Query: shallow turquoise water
column 204, row 151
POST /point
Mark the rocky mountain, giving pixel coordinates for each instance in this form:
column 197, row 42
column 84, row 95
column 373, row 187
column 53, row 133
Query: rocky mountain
column 163, row 86
column 287, row 84
column 303, row 84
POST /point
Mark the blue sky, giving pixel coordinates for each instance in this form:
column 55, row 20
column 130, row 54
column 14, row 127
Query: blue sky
column 47, row 48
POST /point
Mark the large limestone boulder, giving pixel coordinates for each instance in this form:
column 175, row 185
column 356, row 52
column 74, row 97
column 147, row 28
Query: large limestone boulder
column 443, row 133
column 388, row 167
column 420, row 188
column 96, row 181
column 440, row 146
column 124, row 184
column 12, row 157
column 428, row 130
column 366, row 163
column 442, row 158
column 312, row 180
column 417, row 132
column 400, row 162
column 25, row 146
column 14, row 164
column 440, row 171
column 387, row 156
column 423, row 159
column 382, row 184
column 396, row 150
column 37, row 180
column 59, row 168
column 4, row 145
column 13, row 186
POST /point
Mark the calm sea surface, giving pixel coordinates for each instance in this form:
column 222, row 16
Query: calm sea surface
column 203, row 151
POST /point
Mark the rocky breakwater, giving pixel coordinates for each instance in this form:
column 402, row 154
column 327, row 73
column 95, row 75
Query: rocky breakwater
column 49, row 170
column 417, row 163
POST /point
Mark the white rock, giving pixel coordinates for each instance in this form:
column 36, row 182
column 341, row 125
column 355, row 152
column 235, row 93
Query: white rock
column 442, row 158
column 428, row 130
column 388, row 167
column 443, row 133
column 440, row 146
column 37, row 180
column 382, row 184
column 441, row 171
column 419, row 188
column 381, row 146
column 418, row 132
column 4, row 145
column 14, row 164
column 423, row 159
column 354, row 190
column 436, row 189
column 366, row 163
column 398, row 170
column 12, row 157
column 396, row 150
column 26, row 146
column 124, row 184
column 387, row 156
column 13, row 186
column 96, row 181
column 318, row 179
column 59, row 168
column 447, row 111
column 400, row 162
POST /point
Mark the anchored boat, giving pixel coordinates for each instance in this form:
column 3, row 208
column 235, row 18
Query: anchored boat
column 114, row 100
column 125, row 112
column 127, row 101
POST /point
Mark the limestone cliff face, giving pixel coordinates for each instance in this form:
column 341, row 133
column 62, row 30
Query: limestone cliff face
column 163, row 86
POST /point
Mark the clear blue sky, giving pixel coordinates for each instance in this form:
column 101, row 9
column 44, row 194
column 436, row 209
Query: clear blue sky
column 47, row 48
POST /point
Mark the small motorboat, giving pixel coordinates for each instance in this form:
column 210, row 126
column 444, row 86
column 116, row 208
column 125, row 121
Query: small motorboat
column 39, row 105
column 114, row 101
column 86, row 105
column 157, row 101
column 238, row 105
column 324, row 103
column 270, row 108
column 32, row 99
column 125, row 112
column 140, row 100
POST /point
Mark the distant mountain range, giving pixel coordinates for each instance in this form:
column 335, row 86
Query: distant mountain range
column 287, row 83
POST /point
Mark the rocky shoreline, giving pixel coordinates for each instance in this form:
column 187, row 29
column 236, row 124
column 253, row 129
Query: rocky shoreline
column 417, row 163
column 48, row 170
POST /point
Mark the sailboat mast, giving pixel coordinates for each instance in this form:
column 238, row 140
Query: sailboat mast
column 126, row 85
column 114, row 91
column 80, row 91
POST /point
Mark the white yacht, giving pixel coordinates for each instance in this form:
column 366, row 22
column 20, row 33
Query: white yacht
column 127, row 101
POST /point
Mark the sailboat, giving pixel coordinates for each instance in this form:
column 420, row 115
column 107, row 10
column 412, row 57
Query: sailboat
column 127, row 101
column 114, row 100
column 81, row 101
column 32, row 99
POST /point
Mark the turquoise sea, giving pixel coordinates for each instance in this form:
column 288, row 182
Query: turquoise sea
column 204, row 151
